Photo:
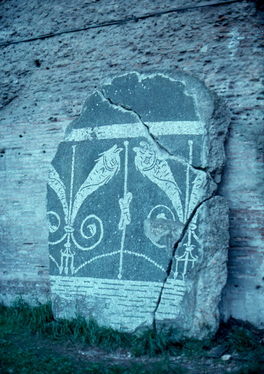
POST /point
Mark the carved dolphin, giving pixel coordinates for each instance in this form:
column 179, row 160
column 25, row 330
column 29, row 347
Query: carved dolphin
column 158, row 172
column 107, row 165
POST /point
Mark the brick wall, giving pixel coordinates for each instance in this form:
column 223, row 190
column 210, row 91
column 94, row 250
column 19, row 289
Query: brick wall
column 45, row 81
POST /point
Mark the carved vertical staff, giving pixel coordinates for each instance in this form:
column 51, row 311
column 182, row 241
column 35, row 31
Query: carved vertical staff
column 187, row 256
column 67, row 254
column 125, row 218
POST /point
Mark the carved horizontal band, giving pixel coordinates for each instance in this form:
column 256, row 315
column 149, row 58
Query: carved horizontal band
column 134, row 130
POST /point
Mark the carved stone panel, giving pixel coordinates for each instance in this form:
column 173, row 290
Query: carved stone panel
column 130, row 191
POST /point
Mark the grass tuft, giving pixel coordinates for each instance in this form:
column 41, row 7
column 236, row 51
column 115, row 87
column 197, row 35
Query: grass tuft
column 24, row 315
column 39, row 320
column 242, row 339
column 152, row 343
column 26, row 320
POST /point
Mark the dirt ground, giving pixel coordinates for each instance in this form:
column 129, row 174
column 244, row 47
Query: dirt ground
column 37, row 350
column 33, row 342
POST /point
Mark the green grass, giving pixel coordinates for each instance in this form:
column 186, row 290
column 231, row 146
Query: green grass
column 21, row 323
column 35, row 319
column 27, row 361
column 28, row 335
column 39, row 320
column 243, row 340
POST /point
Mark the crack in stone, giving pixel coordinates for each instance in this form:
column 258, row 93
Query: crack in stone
column 155, row 141
column 117, row 22
column 171, row 155
column 153, row 137
column 205, row 169
column 190, row 218
column 175, row 247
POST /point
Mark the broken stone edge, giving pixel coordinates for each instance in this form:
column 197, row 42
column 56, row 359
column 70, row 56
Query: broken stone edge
column 205, row 285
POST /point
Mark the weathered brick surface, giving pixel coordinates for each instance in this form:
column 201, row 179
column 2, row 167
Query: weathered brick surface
column 45, row 82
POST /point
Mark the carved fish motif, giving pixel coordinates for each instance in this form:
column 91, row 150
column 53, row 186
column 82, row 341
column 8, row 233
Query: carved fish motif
column 107, row 165
column 158, row 172
column 58, row 186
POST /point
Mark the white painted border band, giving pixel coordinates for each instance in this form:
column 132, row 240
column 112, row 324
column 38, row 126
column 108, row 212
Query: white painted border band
column 135, row 130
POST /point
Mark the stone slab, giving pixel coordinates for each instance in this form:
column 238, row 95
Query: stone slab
column 128, row 200
column 198, row 314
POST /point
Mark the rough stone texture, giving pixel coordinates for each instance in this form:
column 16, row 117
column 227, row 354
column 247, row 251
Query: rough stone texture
column 199, row 312
column 44, row 83
column 134, row 236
